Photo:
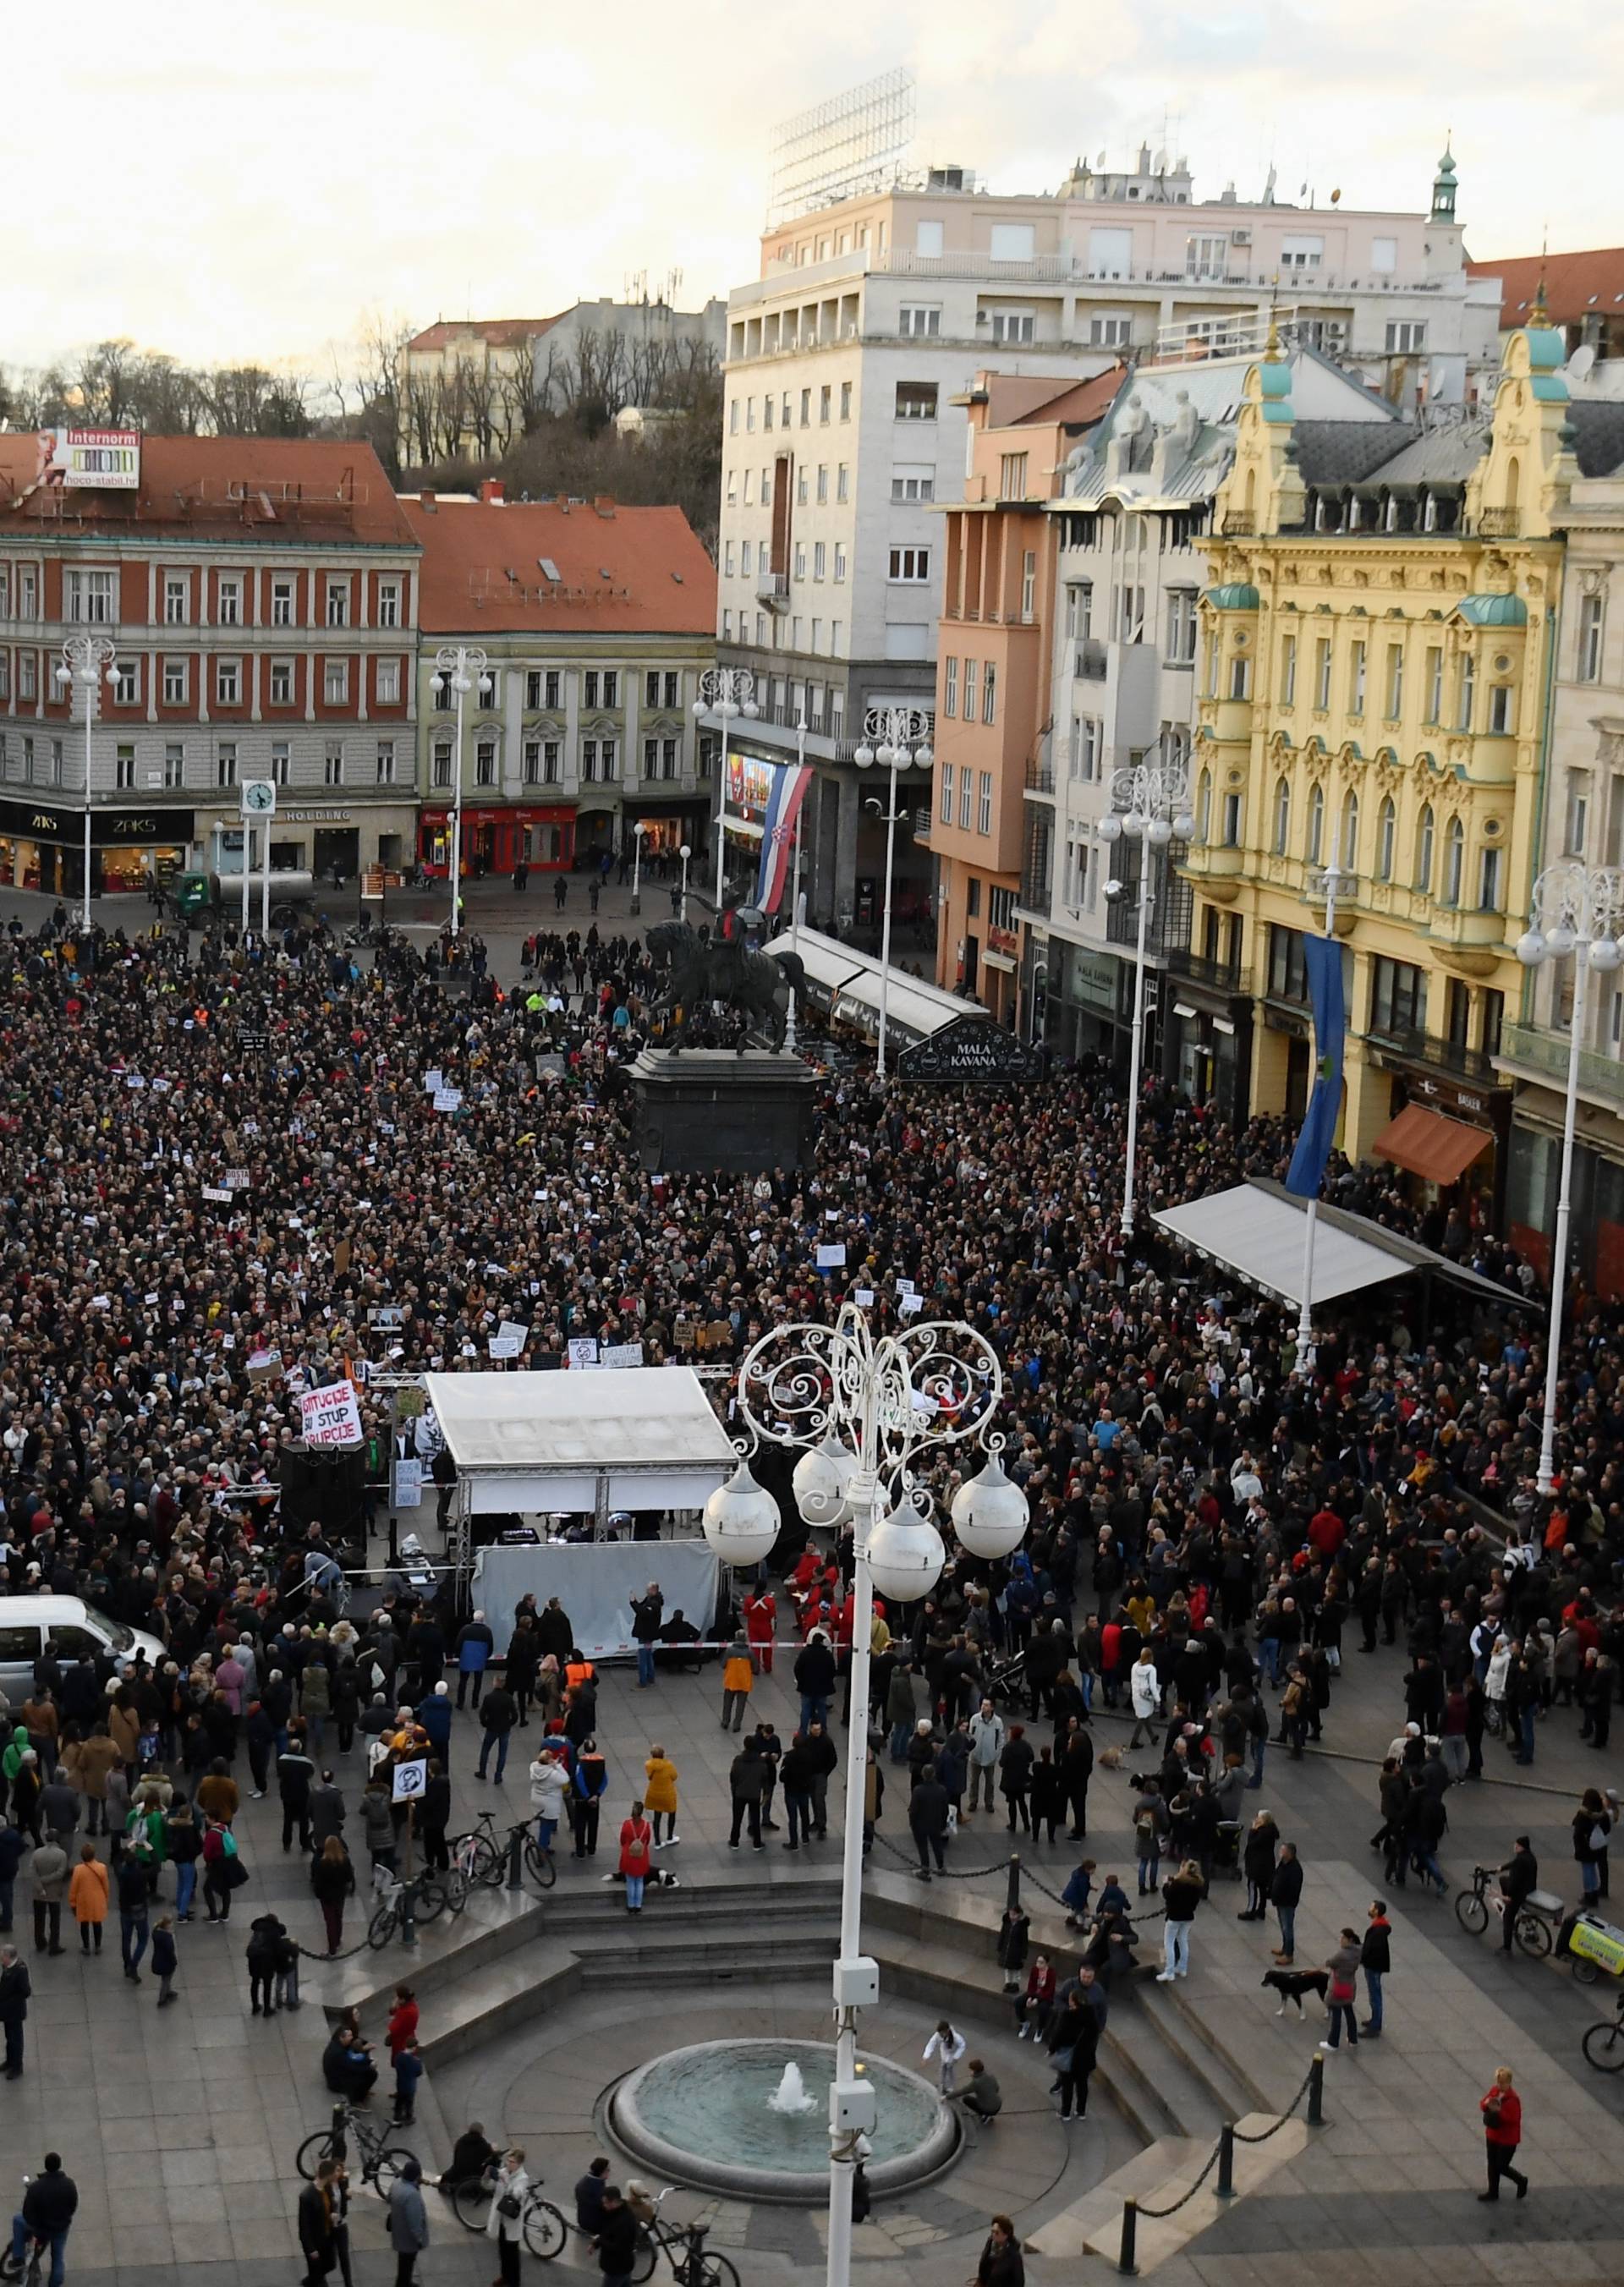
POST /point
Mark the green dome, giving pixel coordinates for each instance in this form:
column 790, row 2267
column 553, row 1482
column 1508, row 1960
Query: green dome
column 1234, row 595
column 1493, row 611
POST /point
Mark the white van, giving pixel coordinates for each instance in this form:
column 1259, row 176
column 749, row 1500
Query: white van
column 67, row 1628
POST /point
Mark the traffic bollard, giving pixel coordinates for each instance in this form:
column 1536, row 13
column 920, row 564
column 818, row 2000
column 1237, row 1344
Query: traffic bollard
column 1014, row 1899
column 1227, row 2160
column 516, row 1859
column 1316, row 2091
column 1125, row 2262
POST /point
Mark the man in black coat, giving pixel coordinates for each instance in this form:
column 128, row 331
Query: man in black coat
column 647, row 1619
column 823, row 1759
column 814, row 1679
column 14, row 1991
column 48, row 2207
column 927, row 1817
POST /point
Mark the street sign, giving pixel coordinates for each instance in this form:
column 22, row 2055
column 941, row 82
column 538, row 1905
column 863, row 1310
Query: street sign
column 409, row 1781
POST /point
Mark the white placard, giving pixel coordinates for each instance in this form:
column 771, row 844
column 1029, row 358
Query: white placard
column 331, row 1416
column 908, row 1306
column 832, row 1257
column 583, row 1353
column 134, row 1080
column 511, row 1331
column 448, row 1099
column 217, row 1192
column 236, row 1179
column 503, row 1345
column 409, row 1780
column 906, row 1286
column 434, row 1082
column 409, row 1482
column 622, row 1354
column 864, row 1296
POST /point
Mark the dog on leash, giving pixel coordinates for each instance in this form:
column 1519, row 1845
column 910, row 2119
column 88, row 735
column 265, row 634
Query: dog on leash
column 1109, row 1759
column 1292, row 1985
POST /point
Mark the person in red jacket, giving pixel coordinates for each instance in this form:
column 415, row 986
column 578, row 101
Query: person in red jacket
column 760, row 1622
column 402, row 2021
column 637, row 1840
column 1502, row 2127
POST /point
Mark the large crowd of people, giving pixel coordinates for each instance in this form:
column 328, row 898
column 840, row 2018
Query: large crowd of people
column 235, row 1173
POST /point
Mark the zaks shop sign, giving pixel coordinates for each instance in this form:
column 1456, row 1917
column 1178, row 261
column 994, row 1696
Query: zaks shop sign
column 110, row 829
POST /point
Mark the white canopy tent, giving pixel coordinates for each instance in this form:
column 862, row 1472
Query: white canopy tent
column 635, row 1437
column 1258, row 1235
column 846, row 983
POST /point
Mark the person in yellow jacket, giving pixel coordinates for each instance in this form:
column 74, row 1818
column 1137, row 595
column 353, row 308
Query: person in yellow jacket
column 738, row 1673
column 87, row 1897
column 660, row 1795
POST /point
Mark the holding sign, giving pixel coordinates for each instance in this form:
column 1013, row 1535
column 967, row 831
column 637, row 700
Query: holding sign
column 330, row 1416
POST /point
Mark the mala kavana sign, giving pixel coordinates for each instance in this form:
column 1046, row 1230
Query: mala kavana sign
column 971, row 1051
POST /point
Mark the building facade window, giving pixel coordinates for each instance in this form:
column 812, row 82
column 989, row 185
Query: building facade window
column 1315, row 853
column 1387, row 826
column 1282, row 817
column 989, row 692
column 1454, row 861
column 946, row 794
column 1397, row 996
column 984, row 802
column 1288, row 672
column 332, row 763
column 174, row 767
column 281, row 682
column 950, row 688
column 176, row 682
column 384, row 772
column 1423, row 850
column 335, row 682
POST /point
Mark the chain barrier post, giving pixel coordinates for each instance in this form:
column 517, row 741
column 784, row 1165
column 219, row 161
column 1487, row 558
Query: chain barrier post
column 339, row 2146
column 1014, row 1883
column 1227, row 2160
column 1316, row 2091
column 516, row 1858
column 1125, row 2263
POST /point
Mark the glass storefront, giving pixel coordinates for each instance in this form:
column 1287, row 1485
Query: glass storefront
column 496, row 841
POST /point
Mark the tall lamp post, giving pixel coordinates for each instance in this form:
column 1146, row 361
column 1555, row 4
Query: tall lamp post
column 87, row 660
column 1332, row 883
column 639, row 830
column 1575, row 910
column 1152, row 799
column 725, row 691
column 457, row 667
column 896, row 738
column 862, row 1408
column 684, row 853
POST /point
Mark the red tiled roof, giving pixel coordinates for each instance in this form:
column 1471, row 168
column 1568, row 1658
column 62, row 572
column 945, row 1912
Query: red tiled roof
column 1576, row 285
column 215, row 486
column 1077, row 402
column 637, row 570
column 498, row 333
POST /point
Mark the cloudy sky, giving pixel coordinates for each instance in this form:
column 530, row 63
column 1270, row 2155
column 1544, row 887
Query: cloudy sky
column 251, row 182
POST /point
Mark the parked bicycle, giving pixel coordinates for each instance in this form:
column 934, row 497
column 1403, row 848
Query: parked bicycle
column 1534, row 1928
column 683, row 2245
column 544, row 2226
column 427, row 1896
column 1604, row 2042
column 380, row 2162
column 481, row 1854
column 31, row 2270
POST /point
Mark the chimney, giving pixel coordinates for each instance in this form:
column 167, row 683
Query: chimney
column 425, row 501
column 493, row 492
column 605, row 503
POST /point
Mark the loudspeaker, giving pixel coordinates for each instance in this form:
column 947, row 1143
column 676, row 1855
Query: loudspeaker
column 323, row 1485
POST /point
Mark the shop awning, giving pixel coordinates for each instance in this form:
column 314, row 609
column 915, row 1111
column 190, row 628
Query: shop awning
column 1258, row 1234
column 1428, row 1145
column 846, row 983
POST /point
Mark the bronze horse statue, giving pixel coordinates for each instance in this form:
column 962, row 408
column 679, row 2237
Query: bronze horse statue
column 705, row 969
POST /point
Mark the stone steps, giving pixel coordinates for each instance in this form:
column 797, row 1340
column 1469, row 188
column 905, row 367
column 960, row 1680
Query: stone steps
column 685, row 1955
column 494, row 1924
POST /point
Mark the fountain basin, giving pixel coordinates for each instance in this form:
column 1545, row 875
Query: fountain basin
column 702, row 2115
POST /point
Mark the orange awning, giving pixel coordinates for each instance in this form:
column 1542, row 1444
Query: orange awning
column 1428, row 1145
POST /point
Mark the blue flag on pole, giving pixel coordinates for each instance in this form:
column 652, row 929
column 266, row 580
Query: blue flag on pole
column 1322, row 959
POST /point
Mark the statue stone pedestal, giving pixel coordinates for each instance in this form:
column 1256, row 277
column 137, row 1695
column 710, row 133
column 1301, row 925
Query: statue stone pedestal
column 707, row 1109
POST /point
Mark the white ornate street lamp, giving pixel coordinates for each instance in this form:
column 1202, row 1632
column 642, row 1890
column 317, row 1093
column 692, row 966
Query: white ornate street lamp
column 1151, row 807
column 725, row 691
column 684, row 853
column 1576, row 911
column 896, row 738
column 637, row 832
column 862, row 1409
column 87, row 662
column 458, row 668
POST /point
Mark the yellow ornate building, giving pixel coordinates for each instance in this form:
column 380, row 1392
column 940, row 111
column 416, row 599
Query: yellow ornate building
column 1376, row 694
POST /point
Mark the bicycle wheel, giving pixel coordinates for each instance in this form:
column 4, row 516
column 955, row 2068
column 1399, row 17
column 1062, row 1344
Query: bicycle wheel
column 1532, row 1934
column 456, row 1887
column 1585, row 1973
column 431, row 1900
column 715, row 2271
column 312, row 2152
column 390, row 2163
column 539, row 1867
column 472, row 2202
column 1471, row 1912
column 1603, row 2047
column 381, row 1928
column 479, row 1858
column 544, row 2229
column 648, row 2252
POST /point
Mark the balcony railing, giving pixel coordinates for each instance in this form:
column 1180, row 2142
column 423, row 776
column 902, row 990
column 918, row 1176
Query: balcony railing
column 771, row 587
column 1534, row 1049
column 1217, row 976
column 1040, row 777
column 1441, row 1055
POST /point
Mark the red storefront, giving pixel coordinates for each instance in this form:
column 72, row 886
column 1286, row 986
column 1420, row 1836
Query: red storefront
column 494, row 840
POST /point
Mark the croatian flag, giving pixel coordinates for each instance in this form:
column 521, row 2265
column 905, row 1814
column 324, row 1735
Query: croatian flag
column 777, row 830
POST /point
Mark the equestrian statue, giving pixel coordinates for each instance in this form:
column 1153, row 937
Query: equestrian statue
column 705, row 969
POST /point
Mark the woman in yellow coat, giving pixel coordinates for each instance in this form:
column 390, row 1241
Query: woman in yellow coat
column 660, row 1795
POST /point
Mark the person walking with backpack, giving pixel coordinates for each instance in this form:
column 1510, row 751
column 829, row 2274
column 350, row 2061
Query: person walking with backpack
column 636, row 1841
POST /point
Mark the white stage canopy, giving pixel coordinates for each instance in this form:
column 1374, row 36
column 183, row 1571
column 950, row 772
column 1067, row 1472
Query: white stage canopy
column 1258, row 1235
column 846, row 983
column 630, row 1437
